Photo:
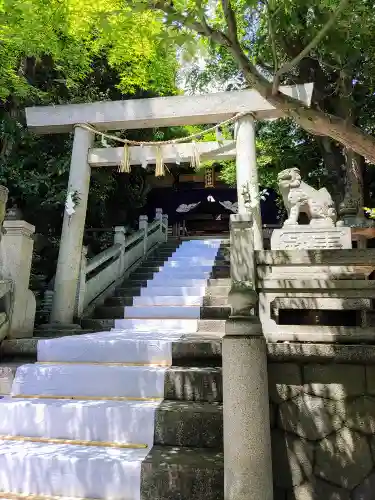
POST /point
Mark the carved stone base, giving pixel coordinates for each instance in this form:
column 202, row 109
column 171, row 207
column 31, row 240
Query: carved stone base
column 311, row 238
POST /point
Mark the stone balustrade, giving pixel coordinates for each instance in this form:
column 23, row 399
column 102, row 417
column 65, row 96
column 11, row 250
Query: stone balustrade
column 100, row 275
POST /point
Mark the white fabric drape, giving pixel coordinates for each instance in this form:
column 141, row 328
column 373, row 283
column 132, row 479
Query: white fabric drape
column 233, row 207
column 183, row 208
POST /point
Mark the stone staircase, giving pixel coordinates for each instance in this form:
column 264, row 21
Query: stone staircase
column 131, row 407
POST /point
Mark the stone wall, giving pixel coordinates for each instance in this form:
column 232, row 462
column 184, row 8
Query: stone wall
column 323, row 423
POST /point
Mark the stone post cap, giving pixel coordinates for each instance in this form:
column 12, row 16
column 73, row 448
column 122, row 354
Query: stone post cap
column 158, row 213
column 243, row 219
column 19, row 227
column 143, row 222
column 120, row 229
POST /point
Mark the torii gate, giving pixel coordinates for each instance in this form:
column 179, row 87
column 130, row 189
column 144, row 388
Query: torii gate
column 149, row 113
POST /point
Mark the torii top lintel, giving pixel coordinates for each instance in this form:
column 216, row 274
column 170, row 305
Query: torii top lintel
column 159, row 111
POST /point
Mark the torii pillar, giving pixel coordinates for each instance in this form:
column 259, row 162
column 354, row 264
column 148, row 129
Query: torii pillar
column 247, row 176
column 70, row 253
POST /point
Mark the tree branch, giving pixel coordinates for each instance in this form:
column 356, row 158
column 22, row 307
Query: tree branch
column 230, row 41
column 314, row 42
column 272, row 37
column 202, row 28
column 230, row 18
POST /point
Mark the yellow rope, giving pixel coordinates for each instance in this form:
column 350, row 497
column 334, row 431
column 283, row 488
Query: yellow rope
column 84, row 398
column 25, row 496
column 79, row 442
column 105, row 363
column 90, row 128
column 160, row 167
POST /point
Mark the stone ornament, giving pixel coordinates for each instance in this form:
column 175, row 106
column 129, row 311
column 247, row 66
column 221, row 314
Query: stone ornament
column 299, row 197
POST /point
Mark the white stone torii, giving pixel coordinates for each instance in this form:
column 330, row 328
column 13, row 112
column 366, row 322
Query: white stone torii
column 246, row 432
column 148, row 113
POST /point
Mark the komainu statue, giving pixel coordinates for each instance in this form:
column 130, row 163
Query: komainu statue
column 299, row 197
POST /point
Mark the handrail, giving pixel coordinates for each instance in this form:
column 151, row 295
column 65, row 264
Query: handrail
column 134, row 237
column 103, row 257
column 154, row 225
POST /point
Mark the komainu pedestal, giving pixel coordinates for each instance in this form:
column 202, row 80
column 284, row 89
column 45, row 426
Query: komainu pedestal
column 321, row 233
column 306, row 286
column 311, row 238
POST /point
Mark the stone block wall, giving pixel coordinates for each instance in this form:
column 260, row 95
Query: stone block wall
column 323, row 425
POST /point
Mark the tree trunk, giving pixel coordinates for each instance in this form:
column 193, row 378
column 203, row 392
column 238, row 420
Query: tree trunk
column 334, row 162
column 353, row 202
column 324, row 124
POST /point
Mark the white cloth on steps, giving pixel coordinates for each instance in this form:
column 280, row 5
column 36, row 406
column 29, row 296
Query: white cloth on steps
column 75, row 366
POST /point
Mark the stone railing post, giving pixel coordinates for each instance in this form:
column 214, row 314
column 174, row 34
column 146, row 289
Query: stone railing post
column 165, row 223
column 16, row 253
column 159, row 214
column 143, row 224
column 159, row 217
column 81, row 289
column 120, row 239
column 247, row 434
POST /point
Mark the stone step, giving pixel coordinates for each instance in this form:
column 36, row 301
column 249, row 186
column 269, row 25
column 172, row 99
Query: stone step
column 169, row 245
column 123, row 346
column 7, row 373
column 193, row 252
column 193, row 424
column 151, row 290
column 55, row 332
column 103, row 324
column 164, row 312
column 202, row 264
column 176, row 300
column 197, row 256
column 128, row 291
column 165, row 473
column 80, row 420
column 369, row 318
column 170, row 423
column 166, row 276
column 23, row 348
column 181, row 273
column 171, row 473
column 186, row 383
column 62, row 470
column 120, row 301
column 191, row 348
column 158, row 312
column 75, row 381
column 177, row 267
column 219, row 281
